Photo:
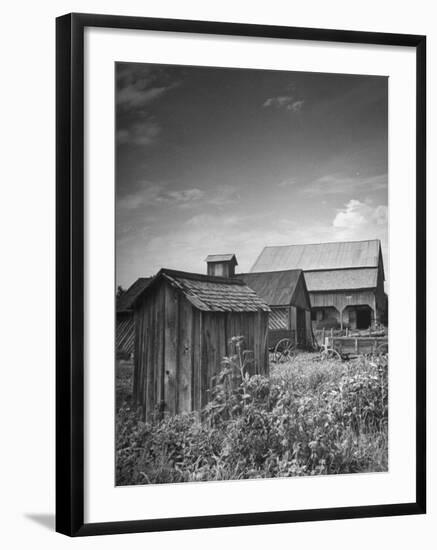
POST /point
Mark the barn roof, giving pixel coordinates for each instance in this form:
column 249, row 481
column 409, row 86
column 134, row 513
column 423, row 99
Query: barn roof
column 275, row 288
column 126, row 300
column 209, row 293
column 221, row 258
column 341, row 279
column 322, row 256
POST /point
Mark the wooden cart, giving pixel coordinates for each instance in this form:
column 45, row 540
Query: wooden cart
column 283, row 345
column 349, row 347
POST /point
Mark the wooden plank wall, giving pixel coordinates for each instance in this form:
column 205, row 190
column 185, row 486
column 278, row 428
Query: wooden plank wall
column 380, row 294
column 125, row 334
column 340, row 300
column 178, row 349
column 171, row 307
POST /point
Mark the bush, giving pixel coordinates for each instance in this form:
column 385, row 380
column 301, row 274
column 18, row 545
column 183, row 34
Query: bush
column 308, row 418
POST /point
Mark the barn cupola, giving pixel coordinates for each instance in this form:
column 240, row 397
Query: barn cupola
column 221, row 265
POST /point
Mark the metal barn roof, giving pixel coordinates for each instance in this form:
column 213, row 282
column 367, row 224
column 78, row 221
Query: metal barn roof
column 323, row 256
column 126, row 300
column 277, row 288
column 341, row 279
column 209, row 293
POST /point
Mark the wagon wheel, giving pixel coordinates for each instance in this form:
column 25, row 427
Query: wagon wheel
column 330, row 353
column 382, row 349
column 284, row 350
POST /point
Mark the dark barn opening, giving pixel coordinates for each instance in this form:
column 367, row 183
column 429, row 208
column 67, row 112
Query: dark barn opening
column 364, row 318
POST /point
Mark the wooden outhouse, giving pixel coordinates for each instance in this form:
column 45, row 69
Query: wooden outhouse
column 183, row 324
column 287, row 296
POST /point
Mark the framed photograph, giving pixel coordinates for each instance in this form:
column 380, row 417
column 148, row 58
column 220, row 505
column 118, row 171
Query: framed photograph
column 240, row 274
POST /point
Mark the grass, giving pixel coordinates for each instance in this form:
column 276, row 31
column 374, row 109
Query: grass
column 124, row 382
column 310, row 417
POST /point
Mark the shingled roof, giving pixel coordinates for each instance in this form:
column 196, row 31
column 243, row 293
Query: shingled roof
column 126, row 300
column 209, row 293
column 277, row 288
column 321, row 256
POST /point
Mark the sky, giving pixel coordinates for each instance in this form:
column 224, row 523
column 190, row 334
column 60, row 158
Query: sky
column 219, row 160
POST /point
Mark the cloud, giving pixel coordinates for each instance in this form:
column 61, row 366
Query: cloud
column 359, row 220
column 335, row 184
column 158, row 194
column 286, row 102
column 139, row 133
column 186, row 194
column 278, row 102
column 296, row 106
column 140, row 84
column 147, row 194
column 223, row 195
column 357, row 214
column 185, row 245
column 287, row 183
column 133, row 96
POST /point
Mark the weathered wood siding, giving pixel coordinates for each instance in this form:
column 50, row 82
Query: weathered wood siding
column 380, row 294
column 341, row 299
column 178, row 349
column 279, row 318
column 125, row 334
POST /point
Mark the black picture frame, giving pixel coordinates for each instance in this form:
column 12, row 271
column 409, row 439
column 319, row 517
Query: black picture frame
column 70, row 273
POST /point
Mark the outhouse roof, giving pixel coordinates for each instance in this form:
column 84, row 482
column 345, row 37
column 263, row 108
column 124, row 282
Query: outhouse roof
column 209, row 293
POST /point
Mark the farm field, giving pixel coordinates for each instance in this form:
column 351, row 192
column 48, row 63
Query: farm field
column 310, row 417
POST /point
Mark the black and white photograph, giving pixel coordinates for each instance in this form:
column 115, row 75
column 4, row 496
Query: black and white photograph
column 252, row 274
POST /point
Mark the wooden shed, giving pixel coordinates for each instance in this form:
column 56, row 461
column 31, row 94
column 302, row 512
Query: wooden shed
column 125, row 326
column 183, row 324
column 287, row 296
column 345, row 280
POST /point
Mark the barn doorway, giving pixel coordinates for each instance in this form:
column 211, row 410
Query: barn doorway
column 364, row 318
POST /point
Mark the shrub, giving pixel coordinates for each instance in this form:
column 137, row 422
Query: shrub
column 308, row 418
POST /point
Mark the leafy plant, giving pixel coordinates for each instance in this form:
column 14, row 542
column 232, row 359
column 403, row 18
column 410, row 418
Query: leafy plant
column 308, row 418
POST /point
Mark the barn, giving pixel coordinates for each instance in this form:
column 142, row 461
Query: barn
column 287, row 296
column 125, row 326
column 183, row 324
column 345, row 280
